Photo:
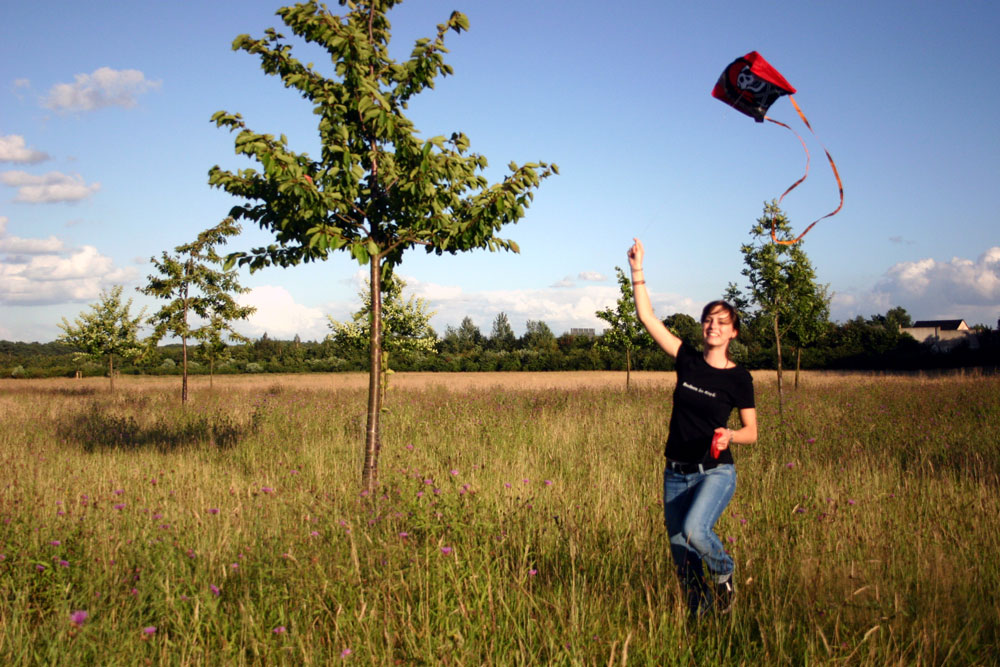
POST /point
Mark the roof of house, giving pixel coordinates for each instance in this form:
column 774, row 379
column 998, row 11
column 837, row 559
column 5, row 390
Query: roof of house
column 946, row 325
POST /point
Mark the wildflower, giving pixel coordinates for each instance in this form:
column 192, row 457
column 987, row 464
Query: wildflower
column 410, row 447
column 235, row 566
column 191, row 553
column 78, row 617
column 134, row 592
column 280, row 630
column 215, row 590
column 789, row 465
column 213, row 510
column 548, row 482
column 507, row 485
column 532, row 573
column 811, row 440
column 40, row 567
column 404, row 535
column 293, row 472
column 850, row 502
column 64, row 563
column 149, row 630
column 55, row 543
column 157, row 516
column 314, row 533
column 267, row 489
column 446, row 550
column 346, row 652
column 120, row 506
column 118, row 492
column 453, row 472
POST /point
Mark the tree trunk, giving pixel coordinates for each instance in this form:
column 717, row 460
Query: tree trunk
column 781, row 395
column 184, row 367
column 184, row 343
column 373, row 443
column 111, row 371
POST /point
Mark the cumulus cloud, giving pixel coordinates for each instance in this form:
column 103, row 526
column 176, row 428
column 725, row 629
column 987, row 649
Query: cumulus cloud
column 104, row 87
column 48, row 188
column 13, row 148
column 279, row 316
column 931, row 289
column 592, row 276
column 55, row 276
column 560, row 308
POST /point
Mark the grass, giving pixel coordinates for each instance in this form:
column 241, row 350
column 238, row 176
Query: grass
column 519, row 522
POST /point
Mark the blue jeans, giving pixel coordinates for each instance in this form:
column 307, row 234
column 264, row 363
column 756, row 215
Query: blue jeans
column 691, row 505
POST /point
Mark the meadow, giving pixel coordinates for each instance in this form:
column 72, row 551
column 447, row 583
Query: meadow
column 518, row 521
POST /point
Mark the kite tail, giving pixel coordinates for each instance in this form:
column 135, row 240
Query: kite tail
column 833, row 165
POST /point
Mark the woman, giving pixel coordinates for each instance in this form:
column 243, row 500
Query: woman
column 699, row 478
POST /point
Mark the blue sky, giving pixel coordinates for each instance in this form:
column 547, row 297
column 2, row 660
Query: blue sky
column 105, row 145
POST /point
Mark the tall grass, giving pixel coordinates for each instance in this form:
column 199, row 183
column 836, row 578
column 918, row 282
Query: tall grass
column 517, row 524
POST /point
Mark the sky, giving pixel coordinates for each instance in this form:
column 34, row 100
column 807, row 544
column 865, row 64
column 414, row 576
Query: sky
column 106, row 143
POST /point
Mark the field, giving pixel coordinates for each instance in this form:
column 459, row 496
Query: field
column 519, row 522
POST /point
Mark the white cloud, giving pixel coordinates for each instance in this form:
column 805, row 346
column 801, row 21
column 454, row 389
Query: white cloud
column 13, row 148
column 931, row 289
column 560, row 308
column 104, row 87
column 279, row 316
column 57, row 277
column 592, row 276
column 48, row 188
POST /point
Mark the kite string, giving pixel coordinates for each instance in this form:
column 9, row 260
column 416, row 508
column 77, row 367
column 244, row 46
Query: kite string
column 833, row 166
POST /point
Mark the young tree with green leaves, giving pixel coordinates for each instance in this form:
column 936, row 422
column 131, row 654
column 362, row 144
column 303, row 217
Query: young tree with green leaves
column 624, row 333
column 377, row 189
column 782, row 281
column 107, row 331
column 192, row 287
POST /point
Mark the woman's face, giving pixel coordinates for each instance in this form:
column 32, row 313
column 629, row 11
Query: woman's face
column 717, row 328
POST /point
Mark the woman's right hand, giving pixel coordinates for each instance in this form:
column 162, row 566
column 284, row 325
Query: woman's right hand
column 635, row 254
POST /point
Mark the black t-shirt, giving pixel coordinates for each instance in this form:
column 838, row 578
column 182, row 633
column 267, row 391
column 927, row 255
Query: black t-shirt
column 703, row 400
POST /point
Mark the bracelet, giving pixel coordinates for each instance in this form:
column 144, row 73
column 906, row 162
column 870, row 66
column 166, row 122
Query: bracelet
column 638, row 282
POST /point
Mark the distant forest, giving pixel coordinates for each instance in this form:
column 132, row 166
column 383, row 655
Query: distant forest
column 875, row 343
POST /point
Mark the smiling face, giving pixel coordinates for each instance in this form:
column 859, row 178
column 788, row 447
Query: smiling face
column 718, row 327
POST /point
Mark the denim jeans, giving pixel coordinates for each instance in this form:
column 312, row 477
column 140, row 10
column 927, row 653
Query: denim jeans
column 691, row 505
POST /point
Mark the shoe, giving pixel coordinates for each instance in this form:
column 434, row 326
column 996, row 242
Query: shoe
column 724, row 596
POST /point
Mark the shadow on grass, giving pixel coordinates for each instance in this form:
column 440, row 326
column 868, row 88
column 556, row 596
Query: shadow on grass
column 96, row 429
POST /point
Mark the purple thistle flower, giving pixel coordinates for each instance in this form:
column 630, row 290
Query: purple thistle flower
column 120, row 506
column 213, row 510
column 118, row 492
column 149, row 630
column 55, row 543
column 811, row 440
column 314, row 533
column 346, row 652
column 267, row 489
column 446, row 550
column 215, row 590
column 78, row 617
column 64, row 563
column 280, row 630
column 40, row 567
column 532, row 573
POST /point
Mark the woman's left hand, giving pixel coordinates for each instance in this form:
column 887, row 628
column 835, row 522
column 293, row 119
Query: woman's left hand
column 725, row 436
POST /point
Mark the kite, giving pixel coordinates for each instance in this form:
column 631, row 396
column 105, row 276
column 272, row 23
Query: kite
column 751, row 85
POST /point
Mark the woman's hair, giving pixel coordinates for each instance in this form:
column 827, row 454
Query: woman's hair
column 726, row 306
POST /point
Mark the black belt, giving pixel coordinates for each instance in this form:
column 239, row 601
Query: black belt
column 689, row 468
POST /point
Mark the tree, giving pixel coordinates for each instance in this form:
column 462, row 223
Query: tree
column 406, row 326
column 538, row 337
column 686, row 328
column 782, row 281
column 625, row 333
column 190, row 285
column 376, row 189
column 467, row 338
column 502, row 338
column 107, row 331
